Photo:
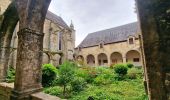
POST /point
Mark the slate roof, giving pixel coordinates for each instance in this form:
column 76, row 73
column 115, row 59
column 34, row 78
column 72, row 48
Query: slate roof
column 112, row 35
column 56, row 19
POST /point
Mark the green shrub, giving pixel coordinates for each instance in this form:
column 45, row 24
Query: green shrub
column 78, row 84
column 104, row 76
column 49, row 74
column 130, row 65
column 134, row 73
column 66, row 74
column 10, row 75
column 102, row 79
column 101, row 96
column 81, row 73
column 92, row 74
column 53, row 90
column 120, row 69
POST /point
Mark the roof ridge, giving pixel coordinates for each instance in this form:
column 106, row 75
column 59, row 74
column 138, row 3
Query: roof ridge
column 114, row 27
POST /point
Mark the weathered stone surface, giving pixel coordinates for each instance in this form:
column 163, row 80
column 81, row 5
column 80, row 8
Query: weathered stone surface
column 5, row 90
column 43, row 96
column 154, row 20
column 6, row 30
column 30, row 46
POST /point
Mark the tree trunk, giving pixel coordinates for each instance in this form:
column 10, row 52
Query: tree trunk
column 154, row 18
column 8, row 23
column 64, row 91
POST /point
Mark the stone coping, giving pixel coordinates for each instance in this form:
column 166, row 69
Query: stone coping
column 9, row 85
column 43, row 96
column 35, row 96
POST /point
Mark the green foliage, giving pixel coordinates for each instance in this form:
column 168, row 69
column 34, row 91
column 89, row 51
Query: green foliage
column 104, row 76
column 120, row 69
column 56, row 90
column 82, row 73
column 120, row 90
column 66, row 74
column 88, row 73
column 102, row 79
column 103, row 84
column 10, row 75
column 130, row 65
column 92, row 74
column 134, row 73
column 100, row 96
column 78, row 84
column 49, row 74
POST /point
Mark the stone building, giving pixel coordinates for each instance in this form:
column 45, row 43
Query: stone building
column 59, row 39
column 115, row 45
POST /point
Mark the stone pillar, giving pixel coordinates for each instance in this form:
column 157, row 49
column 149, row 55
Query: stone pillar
column 85, row 59
column 154, row 21
column 124, row 58
column 4, row 58
column 30, row 47
column 96, row 61
column 109, row 60
column 29, row 60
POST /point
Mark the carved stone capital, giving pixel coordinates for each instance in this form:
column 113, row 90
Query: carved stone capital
column 25, row 31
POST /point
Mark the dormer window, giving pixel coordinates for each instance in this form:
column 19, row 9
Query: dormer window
column 131, row 40
column 101, row 45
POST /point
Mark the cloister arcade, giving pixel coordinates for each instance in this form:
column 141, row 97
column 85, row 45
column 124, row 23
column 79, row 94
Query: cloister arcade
column 105, row 59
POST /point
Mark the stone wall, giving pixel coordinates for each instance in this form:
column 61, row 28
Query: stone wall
column 121, row 47
column 5, row 90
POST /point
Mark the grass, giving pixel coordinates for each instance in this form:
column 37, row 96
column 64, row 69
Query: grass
column 120, row 90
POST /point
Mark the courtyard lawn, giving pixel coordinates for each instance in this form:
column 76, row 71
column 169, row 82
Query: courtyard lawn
column 102, row 84
column 120, row 90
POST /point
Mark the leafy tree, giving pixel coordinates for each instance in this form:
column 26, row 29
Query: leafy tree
column 66, row 74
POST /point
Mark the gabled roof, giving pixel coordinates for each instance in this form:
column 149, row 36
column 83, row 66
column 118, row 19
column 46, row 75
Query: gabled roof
column 56, row 19
column 112, row 35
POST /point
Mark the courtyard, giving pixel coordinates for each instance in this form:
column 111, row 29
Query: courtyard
column 41, row 59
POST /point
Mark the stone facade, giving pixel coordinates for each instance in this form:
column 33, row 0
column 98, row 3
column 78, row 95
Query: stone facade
column 106, row 52
column 58, row 43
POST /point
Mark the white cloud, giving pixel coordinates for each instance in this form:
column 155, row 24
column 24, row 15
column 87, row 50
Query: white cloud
column 94, row 15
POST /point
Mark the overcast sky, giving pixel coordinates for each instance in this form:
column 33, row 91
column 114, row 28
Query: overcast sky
column 93, row 15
